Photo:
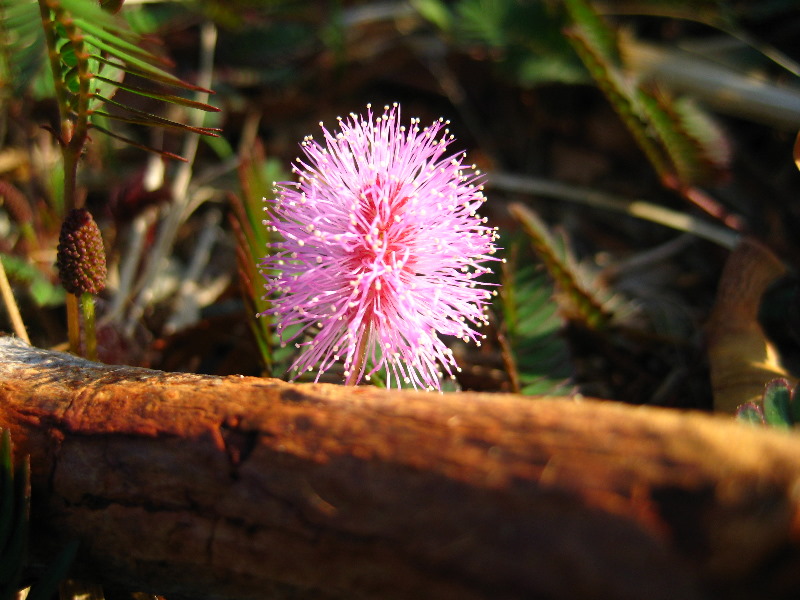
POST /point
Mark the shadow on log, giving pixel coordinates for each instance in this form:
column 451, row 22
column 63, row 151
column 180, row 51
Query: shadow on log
column 236, row 487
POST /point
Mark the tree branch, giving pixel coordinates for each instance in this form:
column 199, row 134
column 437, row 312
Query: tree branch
column 254, row 488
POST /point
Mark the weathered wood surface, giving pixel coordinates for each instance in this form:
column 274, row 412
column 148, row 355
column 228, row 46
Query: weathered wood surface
column 201, row 486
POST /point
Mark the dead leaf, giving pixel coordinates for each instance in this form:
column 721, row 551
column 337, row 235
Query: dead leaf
column 741, row 358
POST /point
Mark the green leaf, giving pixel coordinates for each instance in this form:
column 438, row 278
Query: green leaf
column 88, row 44
column 153, row 73
column 103, row 91
column 620, row 93
column 23, row 50
column 681, row 149
column 484, row 21
column 434, row 11
column 87, row 11
column 119, row 42
column 536, row 355
column 579, row 302
column 597, row 33
column 171, row 98
column 795, row 405
column 145, row 118
column 136, row 144
column 777, row 396
column 42, row 290
column 712, row 145
column 256, row 175
column 67, row 55
column 750, row 413
column 679, row 140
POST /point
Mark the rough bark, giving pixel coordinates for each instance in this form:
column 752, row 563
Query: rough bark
column 232, row 487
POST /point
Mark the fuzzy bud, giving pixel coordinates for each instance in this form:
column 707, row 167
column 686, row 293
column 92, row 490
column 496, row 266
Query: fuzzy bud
column 81, row 257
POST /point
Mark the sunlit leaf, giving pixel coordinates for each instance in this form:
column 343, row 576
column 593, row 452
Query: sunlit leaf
column 578, row 301
column 136, row 144
column 152, row 73
column 141, row 117
column 171, row 98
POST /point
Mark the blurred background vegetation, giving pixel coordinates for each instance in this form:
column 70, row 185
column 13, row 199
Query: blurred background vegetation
column 627, row 146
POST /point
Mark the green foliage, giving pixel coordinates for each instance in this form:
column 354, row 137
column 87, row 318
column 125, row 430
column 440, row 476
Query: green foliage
column 536, row 355
column 256, row 176
column 580, row 299
column 23, row 53
column 42, row 290
column 91, row 52
column 684, row 146
column 523, row 38
column 14, row 517
column 779, row 406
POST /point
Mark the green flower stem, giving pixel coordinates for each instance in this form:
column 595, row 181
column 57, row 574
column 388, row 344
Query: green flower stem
column 48, row 25
column 87, row 306
column 359, row 360
column 74, row 131
column 74, row 310
column 74, row 123
column 80, row 131
column 73, row 324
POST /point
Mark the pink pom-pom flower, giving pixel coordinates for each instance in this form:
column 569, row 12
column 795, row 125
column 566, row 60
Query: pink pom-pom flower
column 381, row 251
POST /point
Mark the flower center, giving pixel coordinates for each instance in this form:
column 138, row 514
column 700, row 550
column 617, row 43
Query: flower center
column 384, row 252
column 383, row 230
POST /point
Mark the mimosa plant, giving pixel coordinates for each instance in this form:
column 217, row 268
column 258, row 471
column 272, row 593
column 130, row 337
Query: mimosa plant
column 91, row 54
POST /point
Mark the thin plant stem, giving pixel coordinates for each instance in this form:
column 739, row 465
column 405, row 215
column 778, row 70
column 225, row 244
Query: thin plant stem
column 73, row 324
column 636, row 208
column 12, row 309
column 74, row 127
column 80, row 133
column 74, row 131
column 357, row 368
column 48, row 25
column 87, row 307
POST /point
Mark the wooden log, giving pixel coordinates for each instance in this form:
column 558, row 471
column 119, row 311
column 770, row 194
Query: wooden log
column 236, row 487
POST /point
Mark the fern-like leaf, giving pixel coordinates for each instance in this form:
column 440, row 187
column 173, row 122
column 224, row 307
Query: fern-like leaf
column 91, row 52
column 537, row 356
column 579, row 300
column 23, row 50
column 256, row 175
column 619, row 90
column 679, row 141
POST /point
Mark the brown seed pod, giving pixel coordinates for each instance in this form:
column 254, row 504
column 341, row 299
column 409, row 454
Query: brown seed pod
column 81, row 257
